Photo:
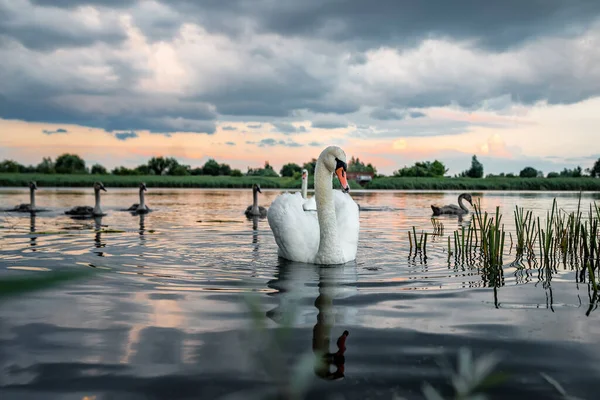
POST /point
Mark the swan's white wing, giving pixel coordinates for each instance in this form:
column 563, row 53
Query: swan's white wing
column 296, row 231
column 347, row 216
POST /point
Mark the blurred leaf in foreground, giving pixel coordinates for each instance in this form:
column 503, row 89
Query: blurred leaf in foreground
column 13, row 286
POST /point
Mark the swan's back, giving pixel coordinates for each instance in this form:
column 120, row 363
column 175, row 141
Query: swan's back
column 296, row 231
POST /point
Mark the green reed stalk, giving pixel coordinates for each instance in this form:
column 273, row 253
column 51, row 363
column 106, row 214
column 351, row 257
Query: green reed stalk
column 415, row 236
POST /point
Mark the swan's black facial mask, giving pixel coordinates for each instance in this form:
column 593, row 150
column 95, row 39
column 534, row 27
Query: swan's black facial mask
column 340, row 171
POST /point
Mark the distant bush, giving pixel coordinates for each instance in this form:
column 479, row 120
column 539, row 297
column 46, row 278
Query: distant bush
column 98, row 169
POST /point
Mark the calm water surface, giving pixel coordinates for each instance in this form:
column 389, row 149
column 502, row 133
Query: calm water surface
column 167, row 314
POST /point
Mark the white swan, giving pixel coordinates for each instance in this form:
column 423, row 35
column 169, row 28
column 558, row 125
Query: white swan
column 329, row 236
column 309, row 204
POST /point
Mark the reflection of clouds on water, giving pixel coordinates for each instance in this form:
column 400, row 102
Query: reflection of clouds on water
column 168, row 299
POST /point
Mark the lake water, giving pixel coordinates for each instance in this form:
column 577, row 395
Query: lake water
column 167, row 315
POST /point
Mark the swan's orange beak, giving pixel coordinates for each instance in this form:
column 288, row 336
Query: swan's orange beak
column 341, row 174
column 304, row 175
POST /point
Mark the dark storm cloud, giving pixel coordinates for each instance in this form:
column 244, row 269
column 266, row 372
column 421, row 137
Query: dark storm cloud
column 290, row 88
column 325, row 124
column 42, row 38
column 283, row 84
column 385, row 114
column 59, row 130
column 497, row 25
column 126, row 135
column 57, row 31
column 79, row 3
column 287, row 128
column 168, row 118
column 270, row 142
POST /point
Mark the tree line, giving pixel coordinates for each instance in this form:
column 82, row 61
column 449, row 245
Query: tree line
column 73, row 164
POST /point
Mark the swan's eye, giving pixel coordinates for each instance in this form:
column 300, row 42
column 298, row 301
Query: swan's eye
column 340, row 164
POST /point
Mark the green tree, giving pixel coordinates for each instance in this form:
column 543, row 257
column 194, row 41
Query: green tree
column 144, row 169
column 10, row 166
column 224, row 169
column 552, row 175
column 289, row 169
column 124, row 171
column 98, row 169
column 355, row 165
column 211, row 167
column 162, row 165
column 595, row 170
column 46, row 166
column 428, row 169
column 70, row 164
column 267, row 170
column 310, row 166
column 179, row 170
column 528, row 172
column 236, row 173
column 576, row 172
column 476, row 170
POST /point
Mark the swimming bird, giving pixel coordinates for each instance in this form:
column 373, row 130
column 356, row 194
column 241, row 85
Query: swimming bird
column 454, row 209
column 30, row 208
column 255, row 209
column 309, row 204
column 87, row 211
column 141, row 207
column 329, row 236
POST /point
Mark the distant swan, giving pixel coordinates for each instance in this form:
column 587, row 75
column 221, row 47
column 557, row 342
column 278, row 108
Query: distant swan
column 255, row 210
column 309, row 204
column 454, row 209
column 141, row 207
column 30, row 208
column 87, row 210
column 329, row 236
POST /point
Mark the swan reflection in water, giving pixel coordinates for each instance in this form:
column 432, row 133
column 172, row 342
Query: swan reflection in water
column 294, row 282
column 142, row 227
column 32, row 239
column 98, row 239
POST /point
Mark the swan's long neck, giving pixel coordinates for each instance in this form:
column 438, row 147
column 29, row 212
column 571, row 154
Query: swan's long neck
column 328, row 243
column 142, row 202
column 254, row 201
column 461, row 204
column 97, row 208
column 304, row 187
column 32, row 198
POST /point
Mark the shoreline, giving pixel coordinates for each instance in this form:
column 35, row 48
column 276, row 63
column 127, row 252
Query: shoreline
column 585, row 184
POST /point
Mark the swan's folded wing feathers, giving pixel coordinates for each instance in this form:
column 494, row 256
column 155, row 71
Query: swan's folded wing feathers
column 296, row 232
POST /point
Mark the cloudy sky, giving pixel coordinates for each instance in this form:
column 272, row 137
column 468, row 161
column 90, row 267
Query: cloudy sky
column 516, row 82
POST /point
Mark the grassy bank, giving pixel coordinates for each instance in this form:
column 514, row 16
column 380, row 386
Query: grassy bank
column 199, row 181
column 554, row 184
column 58, row 180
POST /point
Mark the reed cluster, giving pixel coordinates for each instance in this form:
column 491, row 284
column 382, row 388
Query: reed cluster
column 570, row 238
